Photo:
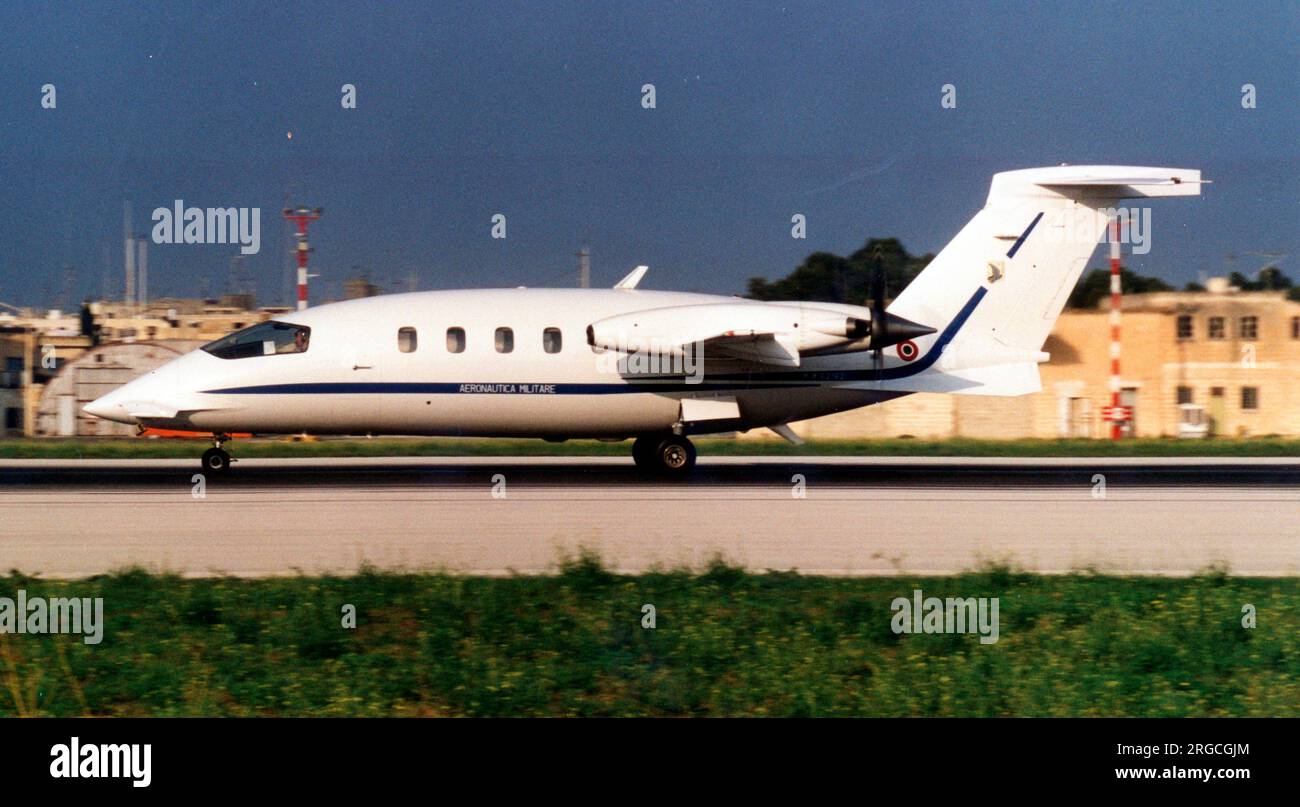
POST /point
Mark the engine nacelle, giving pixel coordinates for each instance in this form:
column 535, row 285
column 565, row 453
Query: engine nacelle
column 809, row 328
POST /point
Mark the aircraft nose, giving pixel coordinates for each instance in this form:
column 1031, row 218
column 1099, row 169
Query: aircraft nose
column 108, row 407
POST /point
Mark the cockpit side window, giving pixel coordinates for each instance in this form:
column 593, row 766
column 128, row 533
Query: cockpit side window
column 264, row 339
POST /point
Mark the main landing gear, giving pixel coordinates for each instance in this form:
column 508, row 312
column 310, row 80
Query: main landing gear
column 215, row 459
column 671, row 454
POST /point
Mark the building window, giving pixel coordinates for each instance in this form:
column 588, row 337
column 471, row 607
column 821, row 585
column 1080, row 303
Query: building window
column 13, row 418
column 406, row 340
column 1216, row 327
column 1250, row 398
column 1295, row 327
column 552, row 341
column 1248, row 328
column 505, row 340
column 1184, row 326
column 13, row 374
column 455, row 340
column 1184, row 395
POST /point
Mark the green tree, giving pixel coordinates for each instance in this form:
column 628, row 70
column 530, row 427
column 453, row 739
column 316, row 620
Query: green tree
column 1271, row 278
column 1095, row 287
column 827, row 277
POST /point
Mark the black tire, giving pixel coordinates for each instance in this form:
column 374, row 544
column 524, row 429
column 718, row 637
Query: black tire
column 643, row 449
column 216, row 461
column 674, row 456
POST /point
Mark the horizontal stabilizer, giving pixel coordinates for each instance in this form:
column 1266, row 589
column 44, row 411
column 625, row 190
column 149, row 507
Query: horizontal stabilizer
column 986, row 352
column 1003, row 380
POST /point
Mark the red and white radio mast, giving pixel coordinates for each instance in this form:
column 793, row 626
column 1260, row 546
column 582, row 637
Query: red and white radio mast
column 302, row 217
column 1116, row 305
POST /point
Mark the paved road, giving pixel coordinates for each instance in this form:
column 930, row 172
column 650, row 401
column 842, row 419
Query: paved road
column 849, row 516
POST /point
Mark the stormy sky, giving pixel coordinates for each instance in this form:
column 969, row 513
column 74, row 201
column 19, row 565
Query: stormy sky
column 534, row 111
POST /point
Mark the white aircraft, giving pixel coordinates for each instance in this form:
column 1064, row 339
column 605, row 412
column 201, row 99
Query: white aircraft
column 656, row 366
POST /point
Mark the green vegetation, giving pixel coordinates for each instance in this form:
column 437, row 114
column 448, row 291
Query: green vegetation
column 1095, row 287
column 139, row 448
column 726, row 643
column 827, row 277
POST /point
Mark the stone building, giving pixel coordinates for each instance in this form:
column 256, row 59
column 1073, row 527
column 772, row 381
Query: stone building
column 36, row 347
column 96, row 372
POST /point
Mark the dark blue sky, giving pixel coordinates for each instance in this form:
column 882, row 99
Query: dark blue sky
column 533, row 110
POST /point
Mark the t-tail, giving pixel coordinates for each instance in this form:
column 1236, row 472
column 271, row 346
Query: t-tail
column 994, row 293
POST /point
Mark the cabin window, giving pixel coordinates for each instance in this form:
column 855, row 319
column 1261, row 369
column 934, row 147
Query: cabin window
column 264, row 339
column 455, row 340
column 406, row 340
column 505, row 340
column 552, row 340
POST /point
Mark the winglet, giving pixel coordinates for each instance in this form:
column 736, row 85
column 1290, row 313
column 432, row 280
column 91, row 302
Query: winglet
column 633, row 278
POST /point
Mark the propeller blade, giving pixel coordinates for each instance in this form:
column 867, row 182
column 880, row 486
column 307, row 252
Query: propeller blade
column 879, row 319
column 887, row 329
column 878, row 286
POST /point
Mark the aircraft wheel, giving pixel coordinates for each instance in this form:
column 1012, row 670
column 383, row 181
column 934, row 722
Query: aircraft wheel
column 675, row 456
column 643, row 449
column 216, row 461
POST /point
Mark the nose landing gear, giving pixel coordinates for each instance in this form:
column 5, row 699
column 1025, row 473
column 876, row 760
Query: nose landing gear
column 215, row 459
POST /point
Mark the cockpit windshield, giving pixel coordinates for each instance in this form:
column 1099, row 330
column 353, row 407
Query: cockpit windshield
column 264, row 339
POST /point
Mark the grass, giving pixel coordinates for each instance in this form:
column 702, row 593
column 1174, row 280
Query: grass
column 726, row 643
column 135, row 448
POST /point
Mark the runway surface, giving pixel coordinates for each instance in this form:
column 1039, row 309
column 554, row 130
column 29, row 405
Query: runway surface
column 502, row 515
